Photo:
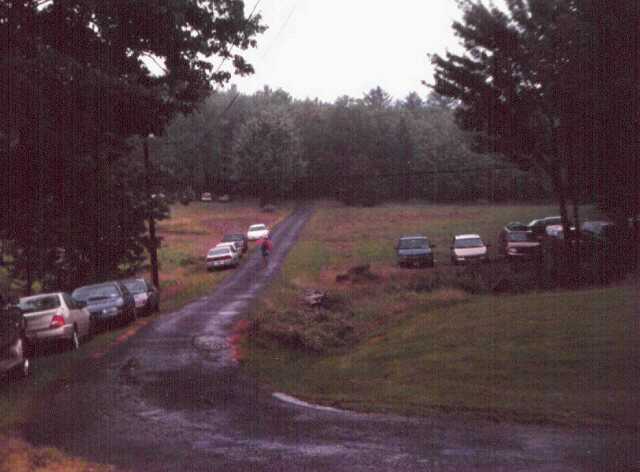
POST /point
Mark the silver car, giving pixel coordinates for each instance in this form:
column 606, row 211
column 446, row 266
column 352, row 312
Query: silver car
column 221, row 257
column 55, row 317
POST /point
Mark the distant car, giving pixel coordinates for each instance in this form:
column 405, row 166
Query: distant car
column 256, row 232
column 145, row 295
column 14, row 359
column 221, row 257
column 515, row 241
column 206, row 197
column 55, row 317
column 538, row 227
column 108, row 301
column 599, row 230
column 241, row 239
column 468, row 248
column 226, row 198
column 414, row 251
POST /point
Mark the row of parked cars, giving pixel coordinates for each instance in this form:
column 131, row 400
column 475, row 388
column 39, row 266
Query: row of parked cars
column 516, row 241
column 67, row 319
column 233, row 246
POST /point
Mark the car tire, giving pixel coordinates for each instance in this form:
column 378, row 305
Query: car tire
column 74, row 342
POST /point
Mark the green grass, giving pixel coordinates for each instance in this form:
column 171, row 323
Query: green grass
column 565, row 357
column 557, row 356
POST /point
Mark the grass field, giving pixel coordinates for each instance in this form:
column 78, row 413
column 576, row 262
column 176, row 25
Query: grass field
column 555, row 356
column 186, row 237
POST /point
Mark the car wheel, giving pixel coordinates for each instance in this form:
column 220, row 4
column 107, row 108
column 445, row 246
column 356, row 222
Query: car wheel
column 74, row 342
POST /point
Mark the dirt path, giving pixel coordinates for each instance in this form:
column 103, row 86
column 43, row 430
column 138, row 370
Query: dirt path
column 172, row 398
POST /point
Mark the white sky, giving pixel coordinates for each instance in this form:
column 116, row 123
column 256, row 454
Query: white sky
column 330, row 48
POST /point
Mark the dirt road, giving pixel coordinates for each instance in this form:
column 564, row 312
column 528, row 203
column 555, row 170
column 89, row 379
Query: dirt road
column 172, row 399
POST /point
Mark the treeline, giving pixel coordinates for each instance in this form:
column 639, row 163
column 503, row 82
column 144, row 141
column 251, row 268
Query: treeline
column 359, row 150
column 76, row 91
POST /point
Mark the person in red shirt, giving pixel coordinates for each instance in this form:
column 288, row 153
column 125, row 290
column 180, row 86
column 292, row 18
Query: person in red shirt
column 265, row 247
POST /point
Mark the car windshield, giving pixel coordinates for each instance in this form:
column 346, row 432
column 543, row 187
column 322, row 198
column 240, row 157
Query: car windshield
column 415, row 243
column 136, row 286
column 518, row 236
column 257, row 227
column 33, row 304
column 468, row 242
column 96, row 292
column 221, row 251
column 232, row 238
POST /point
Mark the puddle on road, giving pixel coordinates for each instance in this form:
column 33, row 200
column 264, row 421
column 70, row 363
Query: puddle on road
column 190, row 389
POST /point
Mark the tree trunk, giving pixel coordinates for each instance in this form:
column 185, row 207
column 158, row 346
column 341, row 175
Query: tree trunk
column 153, row 243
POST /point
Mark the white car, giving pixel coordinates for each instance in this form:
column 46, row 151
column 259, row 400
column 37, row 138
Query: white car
column 468, row 248
column 55, row 317
column 206, row 197
column 221, row 257
column 257, row 232
column 234, row 245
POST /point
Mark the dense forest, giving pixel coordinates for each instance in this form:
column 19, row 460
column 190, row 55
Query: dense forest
column 359, row 150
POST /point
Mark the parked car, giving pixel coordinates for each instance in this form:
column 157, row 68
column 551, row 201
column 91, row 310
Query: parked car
column 241, row 239
column 538, row 227
column 108, row 301
column 600, row 230
column 257, row 231
column 55, row 318
column 415, row 251
column 145, row 295
column 221, row 257
column 206, row 197
column 233, row 245
column 14, row 358
column 468, row 248
column 515, row 241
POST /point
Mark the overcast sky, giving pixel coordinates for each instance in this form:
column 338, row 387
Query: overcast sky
column 329, row 48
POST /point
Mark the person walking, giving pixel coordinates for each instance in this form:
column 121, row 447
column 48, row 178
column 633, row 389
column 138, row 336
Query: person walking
column 266, row 247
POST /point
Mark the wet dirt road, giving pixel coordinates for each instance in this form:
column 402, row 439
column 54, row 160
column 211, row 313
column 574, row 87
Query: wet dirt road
column 172, row 399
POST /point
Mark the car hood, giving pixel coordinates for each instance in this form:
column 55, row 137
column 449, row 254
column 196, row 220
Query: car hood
column 414, row 252
column 470, row 251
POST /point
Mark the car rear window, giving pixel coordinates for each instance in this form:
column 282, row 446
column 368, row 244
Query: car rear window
column 232, row 237
column 519, row 236
column 31, row 305
column 96, row 292
column 257, row 227
column 136, row 286
column 417, row 243
column 221, row 251
column 467, row 243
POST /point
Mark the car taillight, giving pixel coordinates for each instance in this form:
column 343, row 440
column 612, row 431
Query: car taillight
column 57, row 321
column 225, row 258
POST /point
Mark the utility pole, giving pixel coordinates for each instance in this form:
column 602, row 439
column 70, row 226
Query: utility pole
column 153, row 242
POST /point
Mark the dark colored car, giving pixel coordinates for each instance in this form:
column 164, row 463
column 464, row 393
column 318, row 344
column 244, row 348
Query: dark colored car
column 145, row 295
column 539, row 227
column 515, row 241
column 108, row 301
column 414, row 251
column 239, row 238
column 14, row 359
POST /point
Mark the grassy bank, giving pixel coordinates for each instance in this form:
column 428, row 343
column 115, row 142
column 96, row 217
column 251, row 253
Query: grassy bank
column 555, row 356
